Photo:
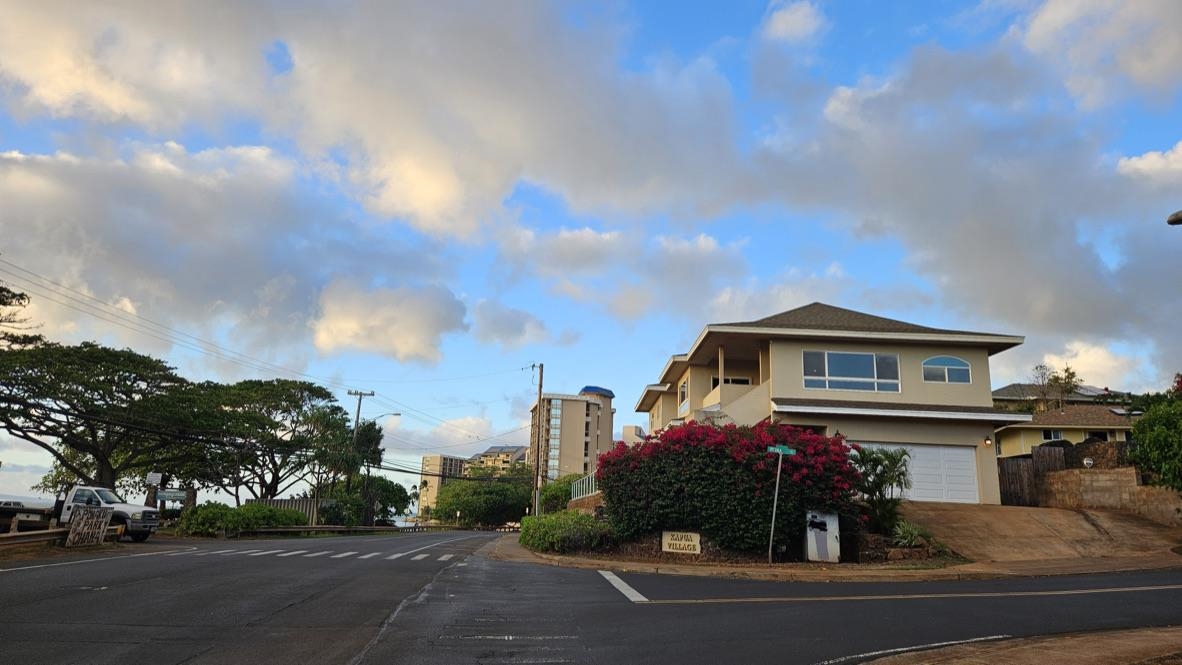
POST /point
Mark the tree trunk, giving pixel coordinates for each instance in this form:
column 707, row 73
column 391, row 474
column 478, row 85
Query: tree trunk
column 104, row 475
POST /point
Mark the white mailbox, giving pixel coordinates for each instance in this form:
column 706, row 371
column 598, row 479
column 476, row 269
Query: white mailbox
column 822, row 540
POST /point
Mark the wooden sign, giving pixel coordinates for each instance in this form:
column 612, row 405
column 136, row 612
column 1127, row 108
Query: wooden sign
column 88, row 525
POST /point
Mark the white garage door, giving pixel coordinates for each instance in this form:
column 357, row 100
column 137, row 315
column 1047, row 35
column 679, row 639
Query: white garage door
column 940, row 473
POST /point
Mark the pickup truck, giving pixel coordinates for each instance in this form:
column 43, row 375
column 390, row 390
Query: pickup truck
column 138, row 522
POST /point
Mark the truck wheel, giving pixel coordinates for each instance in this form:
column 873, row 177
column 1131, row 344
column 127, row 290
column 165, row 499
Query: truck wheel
column 140, row 537
column 119, row 521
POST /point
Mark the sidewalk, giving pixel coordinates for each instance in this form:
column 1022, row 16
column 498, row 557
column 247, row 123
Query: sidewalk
column 1148, row 646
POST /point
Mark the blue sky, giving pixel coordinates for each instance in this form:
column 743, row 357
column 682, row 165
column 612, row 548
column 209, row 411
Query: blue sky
column 425, row 200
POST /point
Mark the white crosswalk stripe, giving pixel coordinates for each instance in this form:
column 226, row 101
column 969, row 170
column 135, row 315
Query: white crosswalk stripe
column 233, row 552
column 419, row 557
column 342, row 555
column 265, row 552
column 370, row 555
column 445, row 557
column 309, row 556
column 209, row 553
column 294, row 553
column 395, row 556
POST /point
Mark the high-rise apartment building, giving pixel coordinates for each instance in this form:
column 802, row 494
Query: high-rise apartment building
column 575, row 429
column 436, row 470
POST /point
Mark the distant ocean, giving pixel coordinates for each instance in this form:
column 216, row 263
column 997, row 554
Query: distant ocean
column 30, row 501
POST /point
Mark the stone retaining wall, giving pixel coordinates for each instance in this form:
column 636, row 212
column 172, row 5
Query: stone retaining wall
column 1116, row 489
column 586, row 504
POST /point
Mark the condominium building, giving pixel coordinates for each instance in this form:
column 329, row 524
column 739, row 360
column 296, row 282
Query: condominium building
column 436, row 470
column 575, row 429
column 498, row 458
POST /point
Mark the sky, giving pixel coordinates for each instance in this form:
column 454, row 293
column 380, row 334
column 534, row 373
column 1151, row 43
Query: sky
column 424, row 200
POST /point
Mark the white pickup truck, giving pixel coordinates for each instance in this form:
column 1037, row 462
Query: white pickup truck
column 139, row 522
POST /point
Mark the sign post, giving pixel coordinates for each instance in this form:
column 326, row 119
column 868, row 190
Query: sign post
column 781, row 451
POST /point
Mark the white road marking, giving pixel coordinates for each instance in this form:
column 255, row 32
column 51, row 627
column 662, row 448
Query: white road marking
column 293, row 553
column 265, row 552
column 233, row 552
column 342, row 555
column 427, row 547
column 510, row 638
column 214, row 552
column 369, row 556
column 918, row 647
column 309, row 556
column 445, row 557
column 622, row 586
column 419, row 557
column 75, row 563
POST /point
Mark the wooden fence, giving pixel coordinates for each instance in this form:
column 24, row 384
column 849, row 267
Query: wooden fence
column 1018, row 476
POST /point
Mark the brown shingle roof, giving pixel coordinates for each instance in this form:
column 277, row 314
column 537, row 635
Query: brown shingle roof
column 1100, row 416
column 819, row 316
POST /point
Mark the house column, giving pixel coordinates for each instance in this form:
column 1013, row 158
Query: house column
column 721, row 366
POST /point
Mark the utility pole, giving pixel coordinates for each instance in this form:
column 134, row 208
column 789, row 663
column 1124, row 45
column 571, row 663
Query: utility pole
column 357, row 426
column 537, row 445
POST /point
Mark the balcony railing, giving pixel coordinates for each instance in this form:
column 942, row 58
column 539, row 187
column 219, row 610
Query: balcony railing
column 583, row 487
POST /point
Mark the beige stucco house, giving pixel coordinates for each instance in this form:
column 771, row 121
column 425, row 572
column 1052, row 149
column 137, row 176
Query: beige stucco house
column 1071, row 422
column 876, row 381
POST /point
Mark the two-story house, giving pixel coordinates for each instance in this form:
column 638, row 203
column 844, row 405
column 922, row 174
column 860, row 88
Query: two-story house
column 876, row 381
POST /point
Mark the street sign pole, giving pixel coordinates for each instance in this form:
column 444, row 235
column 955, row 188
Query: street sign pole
column 780, row 451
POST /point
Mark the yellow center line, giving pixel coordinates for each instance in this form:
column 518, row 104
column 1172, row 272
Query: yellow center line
column 914, row 596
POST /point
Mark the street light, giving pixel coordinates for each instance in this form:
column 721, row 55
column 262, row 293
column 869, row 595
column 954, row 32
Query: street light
column 1175, row 219
column 369, row 508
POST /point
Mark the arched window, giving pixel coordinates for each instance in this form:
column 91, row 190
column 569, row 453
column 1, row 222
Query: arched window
column 946, row 369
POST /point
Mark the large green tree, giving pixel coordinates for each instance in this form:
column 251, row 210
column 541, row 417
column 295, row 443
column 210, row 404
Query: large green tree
column 103, row 413
column 489, row 501
column 14, row 327
column 278, row 431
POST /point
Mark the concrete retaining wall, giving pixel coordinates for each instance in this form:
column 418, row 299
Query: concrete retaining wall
column 1116, row 489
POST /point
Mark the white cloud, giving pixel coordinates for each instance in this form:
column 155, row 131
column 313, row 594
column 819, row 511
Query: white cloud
column 406, row 323
column 1102, row 46
column 792, row 22
column 493, row 322
column 1156, row 167
column 216, row 243
column 1098, row 365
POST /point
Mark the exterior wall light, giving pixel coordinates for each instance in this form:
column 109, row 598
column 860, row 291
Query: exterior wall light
column 988, row 441
column 1088, row 462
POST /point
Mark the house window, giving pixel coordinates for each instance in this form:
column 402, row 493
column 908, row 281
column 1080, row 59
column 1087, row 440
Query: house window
column 731, row 381
column 1103, row 436
column 683, row 397
column 946, row 369
column 1052, row 435
column 842, row 370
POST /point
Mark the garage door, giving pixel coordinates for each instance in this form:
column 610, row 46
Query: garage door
column 940, row 473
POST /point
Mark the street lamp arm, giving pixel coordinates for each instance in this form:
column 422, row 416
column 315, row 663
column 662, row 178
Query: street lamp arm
column 1175, row 219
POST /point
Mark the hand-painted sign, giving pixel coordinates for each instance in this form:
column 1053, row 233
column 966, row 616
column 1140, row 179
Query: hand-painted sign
column 88, row 525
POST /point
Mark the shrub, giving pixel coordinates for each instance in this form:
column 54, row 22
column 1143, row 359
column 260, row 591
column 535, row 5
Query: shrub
column 719, row 480
column 883, row 475
column 209, row 518
column 909, row 534
column 565, row 531
column 204, row 520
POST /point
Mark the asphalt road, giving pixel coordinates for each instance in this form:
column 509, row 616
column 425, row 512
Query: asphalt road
column 429, row 598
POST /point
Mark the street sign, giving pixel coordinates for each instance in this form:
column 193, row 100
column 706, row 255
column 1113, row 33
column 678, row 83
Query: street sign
column 783, row 450
column 155, row 477
column 771, row 537
column 170, row 495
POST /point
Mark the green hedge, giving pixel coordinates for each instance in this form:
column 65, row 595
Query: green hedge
column 210, row 518
column 720, row 480
column 565, row 531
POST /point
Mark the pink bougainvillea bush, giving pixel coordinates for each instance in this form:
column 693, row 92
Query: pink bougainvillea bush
column 719, row 481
